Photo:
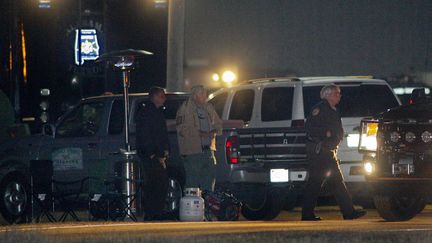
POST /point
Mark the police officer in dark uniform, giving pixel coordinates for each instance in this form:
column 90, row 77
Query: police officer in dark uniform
column 152, row 145
column 324, row 133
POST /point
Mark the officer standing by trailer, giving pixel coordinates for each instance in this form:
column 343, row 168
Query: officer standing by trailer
column 324, row 132
column 153, row 145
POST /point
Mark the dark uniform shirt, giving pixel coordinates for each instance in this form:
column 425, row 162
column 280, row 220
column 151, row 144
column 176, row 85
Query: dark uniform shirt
column 324, row 131
column 324, row 125
column 151, row 132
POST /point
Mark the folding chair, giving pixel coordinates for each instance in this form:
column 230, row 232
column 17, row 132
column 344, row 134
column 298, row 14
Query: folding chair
column 114, row 203
column 70, row 196
column 41, row 174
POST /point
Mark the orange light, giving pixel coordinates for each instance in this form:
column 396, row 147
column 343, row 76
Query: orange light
column 24, row 54
column 372, row 129
column 10, row 57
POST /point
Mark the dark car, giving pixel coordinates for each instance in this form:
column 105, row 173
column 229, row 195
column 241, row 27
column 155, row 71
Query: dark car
column 85, row 142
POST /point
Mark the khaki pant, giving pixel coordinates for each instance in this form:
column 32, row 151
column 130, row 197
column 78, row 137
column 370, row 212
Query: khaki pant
column 200, row 170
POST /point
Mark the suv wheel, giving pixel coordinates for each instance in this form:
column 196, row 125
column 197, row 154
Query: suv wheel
column 398, row 208
column 269, row 210
column 14, row 199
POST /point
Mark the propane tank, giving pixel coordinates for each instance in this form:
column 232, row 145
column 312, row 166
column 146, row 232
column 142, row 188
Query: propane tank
column 192, row 205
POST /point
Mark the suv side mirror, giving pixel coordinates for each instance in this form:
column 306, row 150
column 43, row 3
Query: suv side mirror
column 417, row 96
column 48, row 129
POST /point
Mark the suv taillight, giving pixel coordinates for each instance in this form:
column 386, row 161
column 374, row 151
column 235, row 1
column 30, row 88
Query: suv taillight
column 232, row 150
column 298, row 123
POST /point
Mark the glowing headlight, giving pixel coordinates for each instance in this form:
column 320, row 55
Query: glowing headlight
column 410, row 137
column 395, row 137
column 368, row 137
column 426, row 136
column 369, row 167
column 353, row 140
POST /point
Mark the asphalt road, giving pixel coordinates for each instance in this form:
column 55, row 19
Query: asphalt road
column 286, row 227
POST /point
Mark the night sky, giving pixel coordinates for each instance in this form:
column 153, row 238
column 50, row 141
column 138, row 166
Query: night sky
column 257, row 37
column 314, row 37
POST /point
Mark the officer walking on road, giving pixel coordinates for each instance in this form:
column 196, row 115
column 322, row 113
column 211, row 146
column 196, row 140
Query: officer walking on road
column 153, row 145
column 324, row 133
column 197, row 126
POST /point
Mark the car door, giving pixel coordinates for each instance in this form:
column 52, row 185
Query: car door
column 76, row 142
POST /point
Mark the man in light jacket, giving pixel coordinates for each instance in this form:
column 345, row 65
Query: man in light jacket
column 197, row 126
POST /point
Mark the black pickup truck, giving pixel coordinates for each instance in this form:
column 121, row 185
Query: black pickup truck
column 397, row 148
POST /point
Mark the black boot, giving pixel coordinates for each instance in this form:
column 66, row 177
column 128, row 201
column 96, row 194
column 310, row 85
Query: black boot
column 355, row 215
column 311, row 218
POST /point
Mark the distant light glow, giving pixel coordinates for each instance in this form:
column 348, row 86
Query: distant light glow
column 215, row 77
column 160, row 3
column 10, row 57
column 89, row 46
column 408, row 90
column 24, row 53
column 74, row 81
column 45, row 92
column 44, row 3
column 228, row 76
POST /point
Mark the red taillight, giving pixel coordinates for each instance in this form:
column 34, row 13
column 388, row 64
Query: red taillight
column 231, row 150
column 298, row 123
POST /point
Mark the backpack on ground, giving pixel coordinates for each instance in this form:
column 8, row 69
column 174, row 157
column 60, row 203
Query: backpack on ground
column 221, row 206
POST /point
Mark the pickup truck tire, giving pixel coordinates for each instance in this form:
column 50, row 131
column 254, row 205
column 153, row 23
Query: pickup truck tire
column 398, row 208
column 269, row 210
column 15, row 198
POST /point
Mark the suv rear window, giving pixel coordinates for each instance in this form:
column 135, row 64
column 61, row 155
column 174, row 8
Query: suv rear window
column 277, row 104
column 242, row 105
column 218, row 103
column 356, row 101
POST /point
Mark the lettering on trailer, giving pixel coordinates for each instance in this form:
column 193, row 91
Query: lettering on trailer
column 67, row 159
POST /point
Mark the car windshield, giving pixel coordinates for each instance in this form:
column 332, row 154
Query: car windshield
column 357, row 101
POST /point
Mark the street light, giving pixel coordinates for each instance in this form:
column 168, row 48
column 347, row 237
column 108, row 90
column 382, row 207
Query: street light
column 215, row 77
column 229, row 76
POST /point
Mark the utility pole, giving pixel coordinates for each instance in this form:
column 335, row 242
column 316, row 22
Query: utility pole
column 175, row 52
column 105, row 30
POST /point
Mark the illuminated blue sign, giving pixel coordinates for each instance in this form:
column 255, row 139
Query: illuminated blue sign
column 44, row 3
column 86, row 45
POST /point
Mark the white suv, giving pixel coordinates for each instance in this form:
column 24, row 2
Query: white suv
column 286, row 102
